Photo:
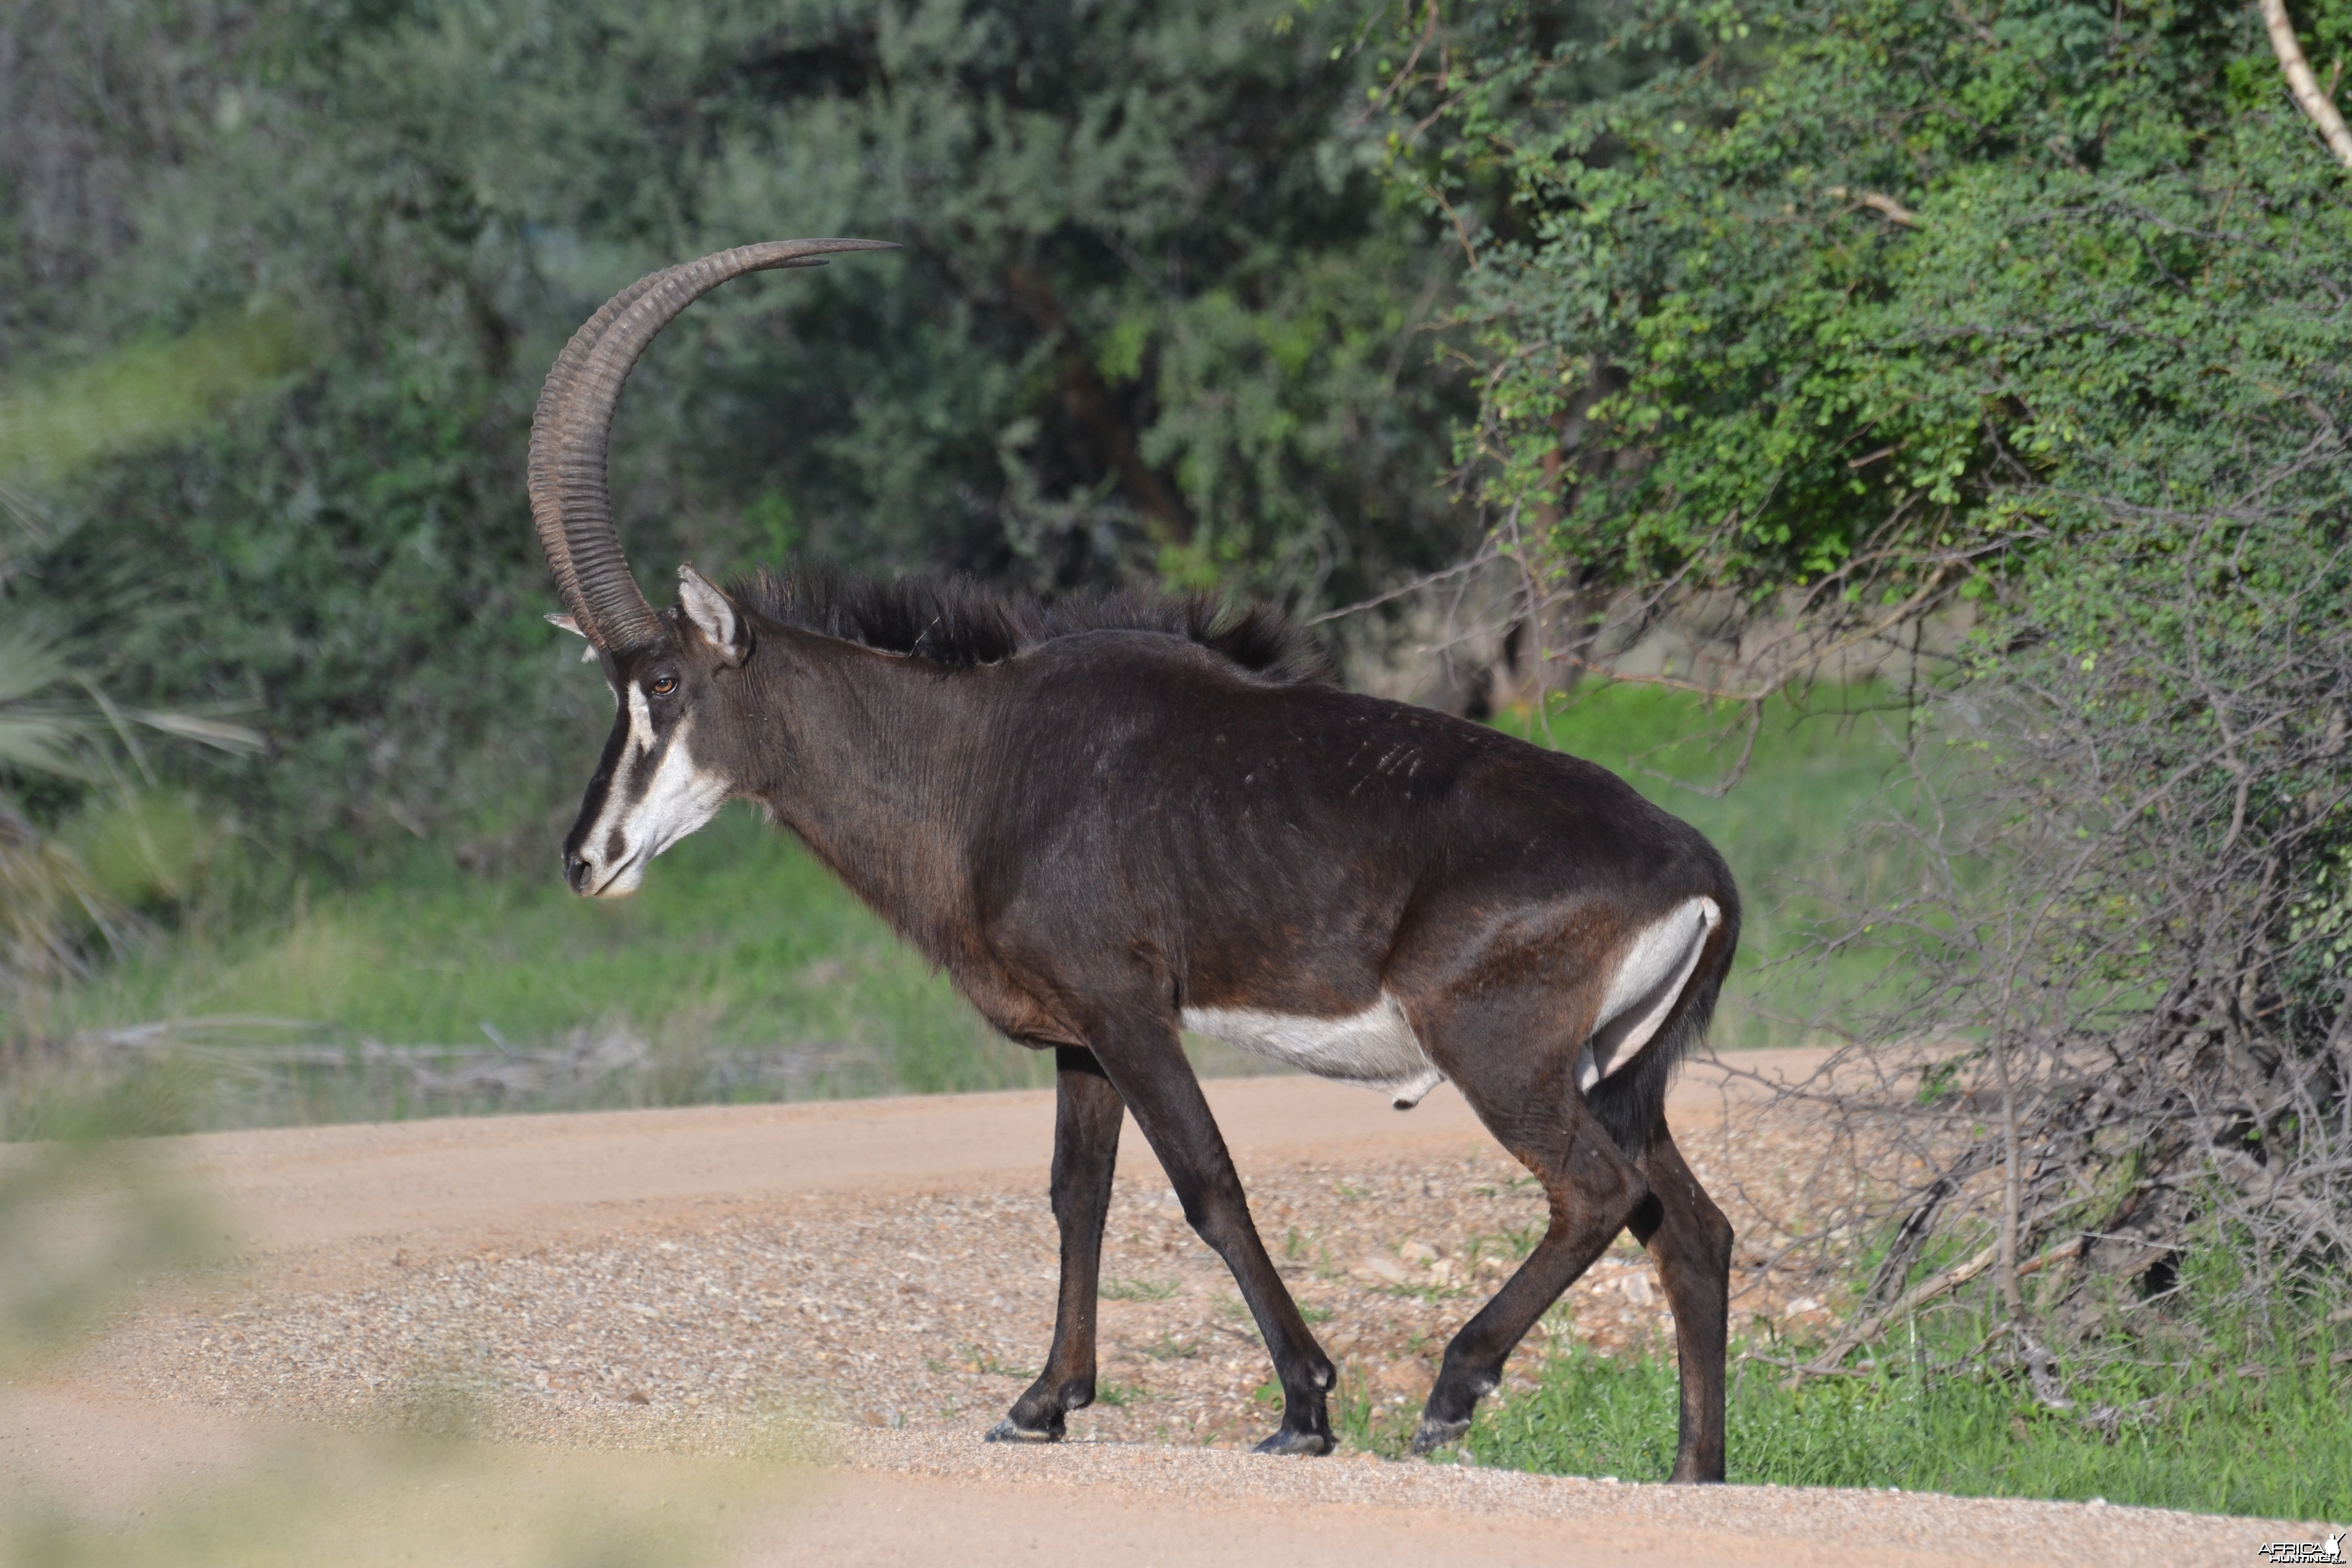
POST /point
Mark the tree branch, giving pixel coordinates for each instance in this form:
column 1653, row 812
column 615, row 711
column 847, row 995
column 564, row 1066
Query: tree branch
column 2313, row 103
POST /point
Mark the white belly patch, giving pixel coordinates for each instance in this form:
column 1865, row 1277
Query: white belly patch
column 1375, row 1048
column 1651, row 974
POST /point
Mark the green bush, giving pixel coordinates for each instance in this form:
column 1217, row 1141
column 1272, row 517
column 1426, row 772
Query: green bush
column 1783, row 286
column 1846, row 313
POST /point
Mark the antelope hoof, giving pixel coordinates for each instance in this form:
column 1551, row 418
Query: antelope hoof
column 1287, row 1442
column 1432, row 1434
column 1004, row 1431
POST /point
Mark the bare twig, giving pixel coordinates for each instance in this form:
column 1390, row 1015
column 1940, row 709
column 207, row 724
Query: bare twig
column 1485, row 555
column 1927, row 1292
column 1885, row 206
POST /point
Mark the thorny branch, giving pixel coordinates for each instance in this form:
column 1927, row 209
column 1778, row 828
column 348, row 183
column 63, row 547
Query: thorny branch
column 2118, row 1009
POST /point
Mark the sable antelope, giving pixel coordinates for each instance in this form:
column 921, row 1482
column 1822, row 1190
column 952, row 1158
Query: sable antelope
column 1111, row 820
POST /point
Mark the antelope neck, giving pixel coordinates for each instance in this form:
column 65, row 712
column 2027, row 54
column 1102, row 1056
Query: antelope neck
column 869, row 763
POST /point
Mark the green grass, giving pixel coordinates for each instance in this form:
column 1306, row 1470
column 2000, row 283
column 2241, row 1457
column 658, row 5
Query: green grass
column 739, row 941
column 2233, row 1427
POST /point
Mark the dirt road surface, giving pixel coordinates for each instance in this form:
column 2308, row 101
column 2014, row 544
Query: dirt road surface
column 774, row 1334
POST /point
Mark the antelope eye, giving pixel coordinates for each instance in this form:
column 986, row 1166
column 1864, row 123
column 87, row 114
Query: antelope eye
column 664, row 686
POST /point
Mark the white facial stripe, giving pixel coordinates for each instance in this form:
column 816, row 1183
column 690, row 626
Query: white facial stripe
column 1651, row 974
column 681, row 798
column 641, row 720
column 624, row 767
column 1376, row 1047
column 678, row 798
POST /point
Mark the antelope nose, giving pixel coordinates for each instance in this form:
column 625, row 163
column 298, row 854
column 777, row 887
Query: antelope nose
column 575, row 871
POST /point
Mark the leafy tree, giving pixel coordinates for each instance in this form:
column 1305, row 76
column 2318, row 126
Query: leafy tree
column 1835, row 282
column 1156, row 316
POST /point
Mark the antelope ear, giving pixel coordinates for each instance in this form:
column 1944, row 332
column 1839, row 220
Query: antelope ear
column 714, row 614
column 588, row 654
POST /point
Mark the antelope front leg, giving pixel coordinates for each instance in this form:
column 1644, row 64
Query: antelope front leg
column 1087, row 1115
column 1159, row 1087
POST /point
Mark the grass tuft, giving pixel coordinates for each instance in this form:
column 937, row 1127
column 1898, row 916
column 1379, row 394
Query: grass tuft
column 2230, row 1427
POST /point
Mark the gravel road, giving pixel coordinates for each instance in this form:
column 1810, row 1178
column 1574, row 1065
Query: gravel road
column 865, row 1286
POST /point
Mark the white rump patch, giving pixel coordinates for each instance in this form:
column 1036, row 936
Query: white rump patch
column 1375, row 1048
column 1650, row 976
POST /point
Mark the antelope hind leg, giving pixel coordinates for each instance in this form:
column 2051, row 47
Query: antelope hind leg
column 1691, row 1241
column 1593, row 1190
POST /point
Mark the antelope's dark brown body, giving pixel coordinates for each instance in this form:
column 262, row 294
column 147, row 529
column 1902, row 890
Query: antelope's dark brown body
column 1110, row 820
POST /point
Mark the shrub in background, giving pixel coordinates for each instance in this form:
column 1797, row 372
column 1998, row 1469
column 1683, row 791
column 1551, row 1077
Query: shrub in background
column 1156, row 317
column 1856, row 311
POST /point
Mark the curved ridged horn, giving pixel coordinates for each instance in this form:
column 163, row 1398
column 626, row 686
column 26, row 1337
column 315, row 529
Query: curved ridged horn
column 569, row 501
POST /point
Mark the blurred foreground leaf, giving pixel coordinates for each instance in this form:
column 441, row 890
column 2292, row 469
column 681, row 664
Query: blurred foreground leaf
column 149, row 391
column 84, row 1221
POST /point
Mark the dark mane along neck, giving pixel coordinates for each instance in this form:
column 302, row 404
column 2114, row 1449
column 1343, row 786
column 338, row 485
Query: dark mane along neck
column 958, row 623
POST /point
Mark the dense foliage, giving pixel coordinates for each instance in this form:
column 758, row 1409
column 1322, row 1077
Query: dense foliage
column 277, row 283
column 1898, row 277
column 2045, row 305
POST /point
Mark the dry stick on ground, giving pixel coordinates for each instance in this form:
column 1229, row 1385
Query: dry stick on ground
column 2315, row 104
column 1919, row 1296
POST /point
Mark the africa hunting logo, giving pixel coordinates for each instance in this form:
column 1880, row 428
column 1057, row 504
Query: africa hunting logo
column 2328, row 1551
